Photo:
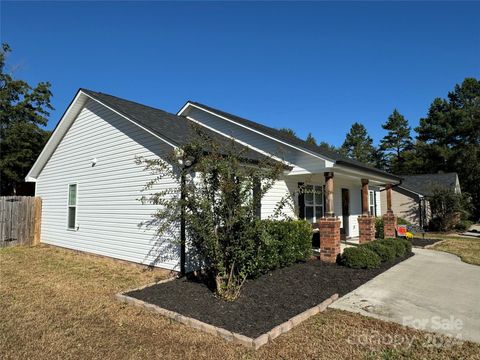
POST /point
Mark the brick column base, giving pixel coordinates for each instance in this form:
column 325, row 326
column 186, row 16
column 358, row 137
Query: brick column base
column 366, row 227
column 329, row 229
column 389, row 225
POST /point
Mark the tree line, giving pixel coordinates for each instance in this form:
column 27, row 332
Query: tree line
column 447, row 139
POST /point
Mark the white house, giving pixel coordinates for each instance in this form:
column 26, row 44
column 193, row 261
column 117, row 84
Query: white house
column 90, row 184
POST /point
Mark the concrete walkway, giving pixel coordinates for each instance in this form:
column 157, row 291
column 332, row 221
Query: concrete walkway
column 434, row 291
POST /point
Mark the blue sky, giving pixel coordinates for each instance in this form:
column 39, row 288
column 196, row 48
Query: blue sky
column 315, row 67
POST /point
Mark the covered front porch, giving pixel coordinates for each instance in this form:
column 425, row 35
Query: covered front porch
column 342, row 204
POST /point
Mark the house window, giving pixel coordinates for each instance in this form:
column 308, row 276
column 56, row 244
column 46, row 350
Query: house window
column 72, row 206
column 372, row 204
column 313, row 202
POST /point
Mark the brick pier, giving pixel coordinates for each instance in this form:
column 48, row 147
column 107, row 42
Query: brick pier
column 366, row 227
column 329, row 228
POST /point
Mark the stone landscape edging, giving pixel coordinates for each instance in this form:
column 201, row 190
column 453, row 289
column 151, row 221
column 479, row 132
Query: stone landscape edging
column 252, row 343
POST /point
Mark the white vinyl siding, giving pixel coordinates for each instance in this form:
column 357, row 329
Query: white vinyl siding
column 303, row 163
column 110, row 219
column 280, row 191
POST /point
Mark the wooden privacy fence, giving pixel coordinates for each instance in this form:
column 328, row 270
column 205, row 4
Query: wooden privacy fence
column 20, row 220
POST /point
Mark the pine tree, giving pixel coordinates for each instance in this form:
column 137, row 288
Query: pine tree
column 289, row 132
column 449, row 137
column 395, row 145
column 359, row 145
column 310, row 139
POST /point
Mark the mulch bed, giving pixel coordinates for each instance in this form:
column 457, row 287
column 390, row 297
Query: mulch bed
column 264, row 302
column 420, row 242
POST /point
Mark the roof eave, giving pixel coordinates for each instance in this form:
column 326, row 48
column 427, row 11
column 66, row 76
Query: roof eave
column 380, row 173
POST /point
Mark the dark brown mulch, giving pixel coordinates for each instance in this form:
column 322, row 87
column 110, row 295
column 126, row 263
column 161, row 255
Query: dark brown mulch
column 264, row 302
column 420, row 242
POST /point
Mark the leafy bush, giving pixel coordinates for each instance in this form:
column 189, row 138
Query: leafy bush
column 370, row 255
column 281, row 243
column 407, row 244
column 463, row 225
column 214, row 200
column 379, row 228
column 385, row 251
column 448, row 208
column 402, row 221
column 397, row 244
column 360, row 257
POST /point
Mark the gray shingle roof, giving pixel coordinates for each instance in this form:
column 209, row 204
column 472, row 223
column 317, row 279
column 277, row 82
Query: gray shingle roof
column 425, row 183
column 332, row 155
column 176, row 129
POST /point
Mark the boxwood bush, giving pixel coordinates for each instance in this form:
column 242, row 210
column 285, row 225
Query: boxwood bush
column 281, row 243
column 396, row 244
column 407, row 244
column 360, row 257
column 385, row 251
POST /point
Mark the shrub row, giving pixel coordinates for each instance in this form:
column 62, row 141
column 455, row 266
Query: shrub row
column 281, row 243
column 370, row 255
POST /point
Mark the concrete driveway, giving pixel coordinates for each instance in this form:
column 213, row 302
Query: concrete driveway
column 433, row 291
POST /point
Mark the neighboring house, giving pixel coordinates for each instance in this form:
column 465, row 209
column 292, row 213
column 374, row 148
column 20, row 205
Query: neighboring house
column 91, row 185
column 410, row 199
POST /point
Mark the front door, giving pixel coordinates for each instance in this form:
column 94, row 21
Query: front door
column 345, row 213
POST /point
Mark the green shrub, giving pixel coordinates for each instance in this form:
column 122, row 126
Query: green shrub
column 463, row 225
column 407, row 244
column 386, row 252
column 402, row 221
column 379, row 228
column 448, row 208
column 396, row 244
column 281, row 243
column 360, row 257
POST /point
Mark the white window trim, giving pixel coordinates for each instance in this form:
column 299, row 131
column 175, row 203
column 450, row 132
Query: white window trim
column 371, row 197
column 75, row 228
column 314, row 205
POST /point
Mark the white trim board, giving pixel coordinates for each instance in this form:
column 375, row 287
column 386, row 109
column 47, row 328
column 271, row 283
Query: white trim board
column 324, row 158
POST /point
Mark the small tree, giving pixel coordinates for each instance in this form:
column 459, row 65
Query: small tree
column 448, row 208
column 215, row 199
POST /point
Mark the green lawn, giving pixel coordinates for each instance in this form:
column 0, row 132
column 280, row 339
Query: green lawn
column 56, row 303
column 467, row 248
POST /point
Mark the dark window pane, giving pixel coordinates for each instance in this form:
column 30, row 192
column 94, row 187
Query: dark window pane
column 72, row 212
column 309, row 198
column 318, row 195
column 318, row 212
column 309, row 213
